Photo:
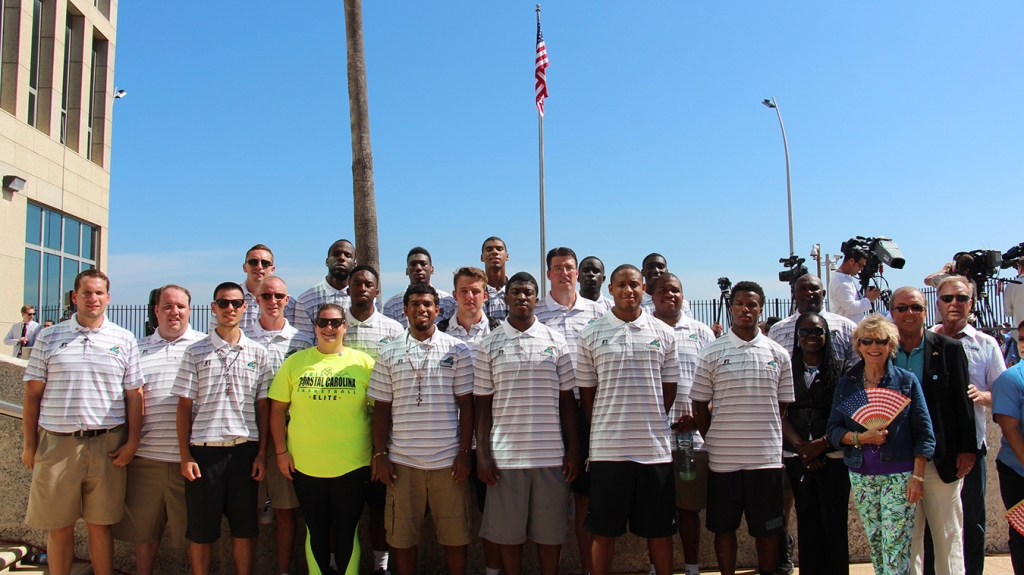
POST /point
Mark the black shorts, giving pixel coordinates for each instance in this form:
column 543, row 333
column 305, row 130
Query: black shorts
column 626, row 491
column 581, row 484
column 479, row 486
column 376, row 495
column 756, row 493
column 225, row 487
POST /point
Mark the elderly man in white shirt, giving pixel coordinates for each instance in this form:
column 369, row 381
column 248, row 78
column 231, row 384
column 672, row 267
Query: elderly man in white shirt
column 843, row 292
column 23, row 333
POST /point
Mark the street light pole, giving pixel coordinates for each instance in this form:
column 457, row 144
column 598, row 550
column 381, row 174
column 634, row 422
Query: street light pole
column 789, row 185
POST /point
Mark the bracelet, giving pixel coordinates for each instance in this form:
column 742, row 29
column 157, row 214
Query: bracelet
column 856, row 439
column 385, row 452
column 917, row 477
column 282, row 452
column 465, row 450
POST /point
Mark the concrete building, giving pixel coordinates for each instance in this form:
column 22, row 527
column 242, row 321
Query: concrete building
column 56, row 103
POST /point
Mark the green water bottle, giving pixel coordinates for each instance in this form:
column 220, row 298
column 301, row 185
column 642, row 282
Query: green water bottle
column 687, row 467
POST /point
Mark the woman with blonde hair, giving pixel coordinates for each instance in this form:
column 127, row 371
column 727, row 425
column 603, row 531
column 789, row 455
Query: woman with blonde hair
column 886, row 465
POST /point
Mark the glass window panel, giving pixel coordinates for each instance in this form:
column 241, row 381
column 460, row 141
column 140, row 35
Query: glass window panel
column 34, row 225
column 88, row 242
column 70, row 271
column 32, row 277
column 52, row 230
column 51, row 280
column 72, row 231
column 86, row 266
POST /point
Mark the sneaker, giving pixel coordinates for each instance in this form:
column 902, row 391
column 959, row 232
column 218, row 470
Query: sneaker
column 265, row 516
column 784, row 564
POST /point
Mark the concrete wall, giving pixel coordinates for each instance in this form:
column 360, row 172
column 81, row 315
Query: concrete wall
column 630, row 556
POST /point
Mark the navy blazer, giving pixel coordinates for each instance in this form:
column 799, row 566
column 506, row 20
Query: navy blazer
column 946, row 377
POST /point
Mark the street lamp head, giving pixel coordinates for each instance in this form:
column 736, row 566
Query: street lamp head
column 768, row 103
column 120, row 94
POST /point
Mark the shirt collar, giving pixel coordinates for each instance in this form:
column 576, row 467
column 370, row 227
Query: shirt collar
column 429, row 342
column 219, row 343
column 758, row 341
column 287, row 331
column 331, row 289
column 638, row 323
column 370, row 321
column 77, row 327
column 157, row 338
column 532, row 331
column 453, row 324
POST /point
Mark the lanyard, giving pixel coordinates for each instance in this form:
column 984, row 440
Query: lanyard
column 421, row 370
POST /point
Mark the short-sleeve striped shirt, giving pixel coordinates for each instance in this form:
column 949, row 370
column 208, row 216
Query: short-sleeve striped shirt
column 424, row 410
column 524, row 372
column 606, row 301
column 310, row 301
column 745, row 381
column 569, row 321
column 394, row 308
column 372, row 335
column 225, row 381
column 691, row 337
column 496, row 306
column 472, row 338
column 628, row 362
column 86, row 372
column 160, row 362
column 784, row 333
column 280, row 344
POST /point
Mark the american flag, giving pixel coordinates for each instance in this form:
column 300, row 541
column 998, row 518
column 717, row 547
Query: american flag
column 1015, row 515
column 874, row 408
column 542, row 63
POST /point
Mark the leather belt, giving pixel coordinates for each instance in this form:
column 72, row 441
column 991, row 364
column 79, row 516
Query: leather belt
column 87, row 432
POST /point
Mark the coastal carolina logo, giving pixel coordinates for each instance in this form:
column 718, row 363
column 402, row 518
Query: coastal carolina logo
column 448, row 361
column 116, row 350
column 655, row 344
column 251, row 365
column 384, row 340
column 694, row 337
column 549, row 351
column 772, row 364
column 591, row 321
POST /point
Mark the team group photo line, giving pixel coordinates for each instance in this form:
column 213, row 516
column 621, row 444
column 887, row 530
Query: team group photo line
column 594, row 406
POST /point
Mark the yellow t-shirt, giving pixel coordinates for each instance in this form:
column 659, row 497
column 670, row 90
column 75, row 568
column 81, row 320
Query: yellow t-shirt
column 330, row 433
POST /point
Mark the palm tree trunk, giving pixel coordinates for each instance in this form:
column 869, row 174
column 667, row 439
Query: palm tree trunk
column 365, row 203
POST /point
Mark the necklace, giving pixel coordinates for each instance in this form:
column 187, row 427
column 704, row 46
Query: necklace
column 868, row 382
column 419, row 371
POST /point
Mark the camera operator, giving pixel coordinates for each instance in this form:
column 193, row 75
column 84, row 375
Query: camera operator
column 1013, row 300
column 843, row 293
column 960, row 267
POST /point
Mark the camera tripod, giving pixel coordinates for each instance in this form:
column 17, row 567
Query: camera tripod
column 724, row 319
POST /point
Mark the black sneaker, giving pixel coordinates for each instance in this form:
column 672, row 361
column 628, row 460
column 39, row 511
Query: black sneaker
column 382, row 572
column 784, row 564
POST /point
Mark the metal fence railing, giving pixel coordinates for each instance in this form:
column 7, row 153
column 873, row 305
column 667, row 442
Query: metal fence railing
column 133, row 317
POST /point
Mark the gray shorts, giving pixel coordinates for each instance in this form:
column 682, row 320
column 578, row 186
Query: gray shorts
column 527, row 504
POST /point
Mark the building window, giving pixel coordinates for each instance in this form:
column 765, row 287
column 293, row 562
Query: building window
column 57, row 248
column 33, row 72
column 66, row 83
column 95, row 132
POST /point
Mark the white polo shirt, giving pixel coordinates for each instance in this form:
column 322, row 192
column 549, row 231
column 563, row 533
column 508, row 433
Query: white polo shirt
column 841, row 329
column 372, row 335
column 394, row 309
column 424, row 409
column 160, row 362
column 86, row 372
column 524, row 372
column 745, row 381
column 309, row 302
column 569, row 321
column 691, row 337
column 607, row 302
column 225, row 381
column 628, row 362
column 985, row 363
column 844, row 297
column 280, row 344
column 474, row 336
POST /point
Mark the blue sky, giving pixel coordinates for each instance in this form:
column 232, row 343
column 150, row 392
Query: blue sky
column 904, row 119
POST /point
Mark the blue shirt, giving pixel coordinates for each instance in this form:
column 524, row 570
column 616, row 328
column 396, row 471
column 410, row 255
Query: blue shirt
column 913, row 361
column 1008, row 399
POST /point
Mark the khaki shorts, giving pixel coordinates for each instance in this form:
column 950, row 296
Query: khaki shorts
column 277, row 487
column 692, row 495
column 415, row 490
column 74, row 478
column 527, row 504
column 154, row 497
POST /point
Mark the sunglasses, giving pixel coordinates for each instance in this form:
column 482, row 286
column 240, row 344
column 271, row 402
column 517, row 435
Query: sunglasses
column 916, row 308
column 270, row 296
column 806, row 331
column 960, row 298
column 235, row 303
column 870, row 341
column 263, row 263
column 335, row 322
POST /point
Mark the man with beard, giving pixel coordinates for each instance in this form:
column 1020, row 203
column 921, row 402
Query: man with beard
column 591, row 280
column 939, row 362
column 341, row 258
column 422, row 384
column 419, row 268
column 494, row 255
column 654, row 266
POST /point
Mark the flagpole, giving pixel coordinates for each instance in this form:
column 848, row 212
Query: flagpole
column 543, row 248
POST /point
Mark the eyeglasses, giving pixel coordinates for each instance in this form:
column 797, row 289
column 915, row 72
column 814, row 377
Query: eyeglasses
column 335, row 322
column 960, row 298
column 270, row 296
column 263, row 263
column 916, row 308
column 30, row 313
column 563, row 269
column 806, row 331
column 235, row 303
column 870, row 341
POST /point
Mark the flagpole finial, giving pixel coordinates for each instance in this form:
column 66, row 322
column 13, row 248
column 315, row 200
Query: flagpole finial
column 538, row 10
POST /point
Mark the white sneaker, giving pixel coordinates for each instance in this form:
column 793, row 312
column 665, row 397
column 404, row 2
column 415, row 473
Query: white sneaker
column 266, row 515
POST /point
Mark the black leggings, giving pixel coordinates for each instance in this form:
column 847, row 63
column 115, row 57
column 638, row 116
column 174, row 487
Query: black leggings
column 331, row 503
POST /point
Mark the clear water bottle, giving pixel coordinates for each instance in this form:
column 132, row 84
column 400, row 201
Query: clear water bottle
column 687, row 467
